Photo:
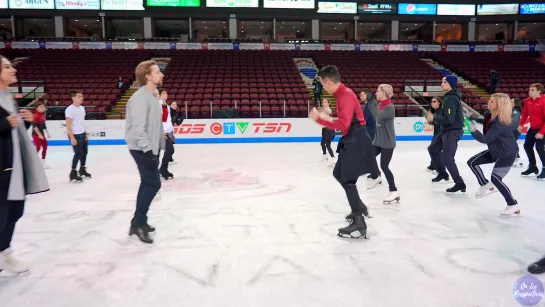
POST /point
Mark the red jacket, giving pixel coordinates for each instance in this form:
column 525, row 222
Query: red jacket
column 347, row 105
column 535, row 110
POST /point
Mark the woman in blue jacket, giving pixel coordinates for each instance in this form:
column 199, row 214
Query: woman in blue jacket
column 502, row 149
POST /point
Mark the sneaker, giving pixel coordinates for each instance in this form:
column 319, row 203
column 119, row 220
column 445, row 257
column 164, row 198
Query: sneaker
column 485, row 190
column 10, row 264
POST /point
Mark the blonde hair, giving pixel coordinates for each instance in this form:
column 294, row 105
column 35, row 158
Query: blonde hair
column 143, row 69
column 388, row 90
column 505, row 108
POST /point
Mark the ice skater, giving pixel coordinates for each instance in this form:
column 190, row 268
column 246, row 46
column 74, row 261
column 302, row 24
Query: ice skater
column 356, row 156
column 534, row 110
column 145, row 138
column 22, row 172
column 75, row 128
column 168, row 128
column 516, row 103
column 385, row 140
column 502, row 150
column 436, row 103
column 327, row 136
column 443, row 147
column 370, row 123
column 39, row 131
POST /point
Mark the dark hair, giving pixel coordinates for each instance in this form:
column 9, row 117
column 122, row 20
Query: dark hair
column 538, row 86
column 39, row 103
column 330, row 72
column 367, row 92
column 518, row 104
column 432, row 110
column 75, row 92
column 161, row 90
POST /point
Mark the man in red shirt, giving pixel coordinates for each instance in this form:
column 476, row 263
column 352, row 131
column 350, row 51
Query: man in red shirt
column 534, row 110
column 356, row 155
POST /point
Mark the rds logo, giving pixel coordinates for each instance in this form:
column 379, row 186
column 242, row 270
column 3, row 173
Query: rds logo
column 422, row 127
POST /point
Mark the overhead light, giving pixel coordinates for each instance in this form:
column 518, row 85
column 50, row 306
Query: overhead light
column 297, row 31
column 242, row 21
column 224, row 22
column 98, row 20
column 496, row 24
column 304, row 23
column 262, row 22
column 335, row 28
column 372, row 28
column 407, row 29
column 261, row 27
column 76, row 19
column 242, row 31
column 443, row 30
column 416, row 24
column 85, row 25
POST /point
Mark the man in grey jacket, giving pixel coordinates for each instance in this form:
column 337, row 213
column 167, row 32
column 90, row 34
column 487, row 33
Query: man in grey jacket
column 145, row 138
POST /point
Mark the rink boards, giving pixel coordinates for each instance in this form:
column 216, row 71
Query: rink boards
column 254, row 130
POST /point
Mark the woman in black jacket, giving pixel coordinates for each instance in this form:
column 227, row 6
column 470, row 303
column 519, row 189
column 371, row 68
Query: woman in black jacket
column 502, row 149
column 21, row 170
column 436, row 104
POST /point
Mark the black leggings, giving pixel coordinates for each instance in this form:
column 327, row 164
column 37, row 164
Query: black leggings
column 501, row 168
column 517, row 134
column 385, row 158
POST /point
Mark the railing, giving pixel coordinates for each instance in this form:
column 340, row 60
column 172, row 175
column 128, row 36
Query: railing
column 239, row 110
column 424, row 101
column 20, row 86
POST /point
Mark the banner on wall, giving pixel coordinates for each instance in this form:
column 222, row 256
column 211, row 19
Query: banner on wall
column 337, row 7
column 77, row 4
column 416, row 9
column 532, row 8
column 261, row 46
column 174, row 3
column 33, row 5
column 122, row 5
column 289, row 4
column 377, row 8
column 232, row 3
column 498, row 9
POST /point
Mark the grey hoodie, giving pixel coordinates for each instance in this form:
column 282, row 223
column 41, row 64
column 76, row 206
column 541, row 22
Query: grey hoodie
column 385, row 135
column 143, row 123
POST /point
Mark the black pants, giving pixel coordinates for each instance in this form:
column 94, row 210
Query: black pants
column 386, row 155
column 443, row 150
column 150, row 183
column 500, row 170
column 169, row 152
column 529, row 144
column 80, row 151
column 327, row 136
column 317, row 98
column 10, row 212
column 349, row 186
column 516, row 134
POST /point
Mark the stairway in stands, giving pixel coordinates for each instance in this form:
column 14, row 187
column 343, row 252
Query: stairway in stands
column 308, row 70
column 121, row 105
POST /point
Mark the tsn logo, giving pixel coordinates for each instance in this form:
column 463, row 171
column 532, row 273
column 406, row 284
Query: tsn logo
column 271, row 127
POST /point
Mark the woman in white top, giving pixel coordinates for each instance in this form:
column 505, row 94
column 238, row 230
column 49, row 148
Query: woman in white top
column 327, row 135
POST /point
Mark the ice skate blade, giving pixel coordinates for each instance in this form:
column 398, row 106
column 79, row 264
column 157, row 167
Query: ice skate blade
column 441, row 182
column 516, row 214
column 486, row 194
column 363, row 235
column 457, row 193
column 388, row 202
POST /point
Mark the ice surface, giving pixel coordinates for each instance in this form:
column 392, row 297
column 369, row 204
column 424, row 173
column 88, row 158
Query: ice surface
column 256, row 225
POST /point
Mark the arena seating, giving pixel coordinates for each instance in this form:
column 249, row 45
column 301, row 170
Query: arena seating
column 517, row 70
column 369, row 70
column 224, row 80
column 95, row 72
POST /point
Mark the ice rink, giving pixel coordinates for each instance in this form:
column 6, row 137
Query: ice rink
column 256, row 225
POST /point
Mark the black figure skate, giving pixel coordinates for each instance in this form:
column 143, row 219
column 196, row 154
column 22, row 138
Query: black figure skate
column 441, row 178
column 75, row 177
column 166, row 174
column 458, row 187
column 356, row 225
column 83, row 173
column 532, row 169
column 142, row 233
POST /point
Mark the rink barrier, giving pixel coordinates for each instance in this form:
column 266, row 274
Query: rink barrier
column 314, row 139
column 232, row 131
